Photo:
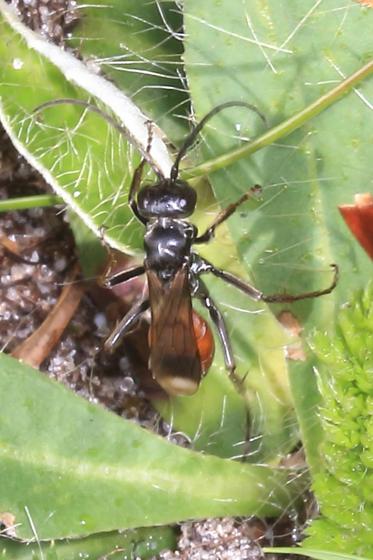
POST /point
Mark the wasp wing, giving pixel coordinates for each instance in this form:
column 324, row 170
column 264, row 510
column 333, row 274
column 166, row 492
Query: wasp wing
column 174, row 356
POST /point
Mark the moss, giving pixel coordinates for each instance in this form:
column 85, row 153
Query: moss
column 344, row 487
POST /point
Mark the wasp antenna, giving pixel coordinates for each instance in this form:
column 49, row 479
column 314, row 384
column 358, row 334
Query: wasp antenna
column 197, row 129
column 67, row 101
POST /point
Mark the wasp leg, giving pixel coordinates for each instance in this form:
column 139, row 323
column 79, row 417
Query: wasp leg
column 225, row 214
column 135, row 185
column 289, row 298
column 122, row 276
column 137, row 177
column 205, row 266
column 126, row 324
column 218, row 320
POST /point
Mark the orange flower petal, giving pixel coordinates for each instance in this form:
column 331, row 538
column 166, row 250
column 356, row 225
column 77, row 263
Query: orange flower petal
column 359, row 219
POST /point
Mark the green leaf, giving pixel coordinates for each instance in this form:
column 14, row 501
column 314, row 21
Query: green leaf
column 316, row 554
column 93, row 175
column 282, row 57
column 93, row 256
column 307, row 400
column 69, row 468
column 139, row 543
column 77, row 152
column 344, row 481
column 87, row 171
column 139, row 46
column 264, row 237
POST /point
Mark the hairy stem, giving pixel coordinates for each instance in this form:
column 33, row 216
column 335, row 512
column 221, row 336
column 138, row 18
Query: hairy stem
column 284, row 128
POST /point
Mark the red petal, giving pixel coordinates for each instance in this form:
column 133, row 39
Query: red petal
column 359, row 218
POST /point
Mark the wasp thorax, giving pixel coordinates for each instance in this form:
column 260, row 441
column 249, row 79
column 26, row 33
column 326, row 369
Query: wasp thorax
column 169, row 199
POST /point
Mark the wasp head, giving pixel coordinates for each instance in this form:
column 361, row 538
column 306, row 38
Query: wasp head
column 167, row 199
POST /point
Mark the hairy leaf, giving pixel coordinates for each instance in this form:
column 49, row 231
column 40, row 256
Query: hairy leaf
column 144, row 543
column 282, row 56
column 92, row 471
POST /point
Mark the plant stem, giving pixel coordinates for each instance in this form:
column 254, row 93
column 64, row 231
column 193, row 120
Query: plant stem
column 26, row 202
column 284, row 128
column 279, row 131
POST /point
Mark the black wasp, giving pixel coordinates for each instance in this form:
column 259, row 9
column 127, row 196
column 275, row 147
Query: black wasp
column 178, row 348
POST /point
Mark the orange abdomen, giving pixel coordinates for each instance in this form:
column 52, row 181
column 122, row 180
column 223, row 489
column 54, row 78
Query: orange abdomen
column 205, row 341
